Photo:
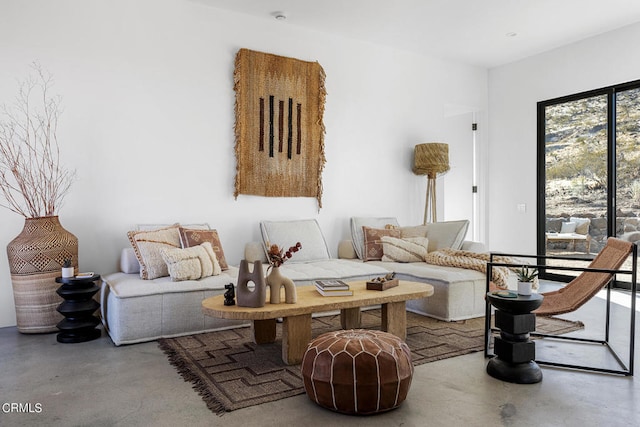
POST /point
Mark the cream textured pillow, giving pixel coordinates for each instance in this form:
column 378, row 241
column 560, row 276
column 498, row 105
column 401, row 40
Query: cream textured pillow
column 148, row 245
column 191, row 263
column 411, row 249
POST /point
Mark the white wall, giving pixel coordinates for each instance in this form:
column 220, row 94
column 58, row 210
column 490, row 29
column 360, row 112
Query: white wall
column 514, row 91
column 148, row 121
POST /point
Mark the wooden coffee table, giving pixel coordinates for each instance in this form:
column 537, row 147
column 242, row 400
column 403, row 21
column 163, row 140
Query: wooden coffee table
column 296, row 326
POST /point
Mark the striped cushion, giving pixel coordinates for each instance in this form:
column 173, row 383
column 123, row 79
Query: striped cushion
column 410, row 249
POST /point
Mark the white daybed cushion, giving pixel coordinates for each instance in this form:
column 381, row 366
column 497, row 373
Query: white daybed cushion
column 135, row 310
column 288, row 233
column 441, row 235
column 305, row 273
column 423, row 272
column 447, row 234
column 129, row 285
column 458, row 293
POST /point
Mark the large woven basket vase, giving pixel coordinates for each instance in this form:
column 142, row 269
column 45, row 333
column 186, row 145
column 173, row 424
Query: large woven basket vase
column 36, row 257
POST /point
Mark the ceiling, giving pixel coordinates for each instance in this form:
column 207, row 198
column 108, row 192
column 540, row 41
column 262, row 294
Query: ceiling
column 486, row 33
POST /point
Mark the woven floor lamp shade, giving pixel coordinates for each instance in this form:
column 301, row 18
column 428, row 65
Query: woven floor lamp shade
column 431, row 159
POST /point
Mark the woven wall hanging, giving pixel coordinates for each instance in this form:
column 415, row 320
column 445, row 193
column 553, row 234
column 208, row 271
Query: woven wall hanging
column 279, row 126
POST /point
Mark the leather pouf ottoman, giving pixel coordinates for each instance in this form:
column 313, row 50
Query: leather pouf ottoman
column 357, row 371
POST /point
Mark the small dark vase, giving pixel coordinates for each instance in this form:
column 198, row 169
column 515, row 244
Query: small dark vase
column 36, row 257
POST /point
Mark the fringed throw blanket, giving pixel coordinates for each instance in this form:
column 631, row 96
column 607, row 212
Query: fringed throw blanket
column 279, row 126
column 471, row 260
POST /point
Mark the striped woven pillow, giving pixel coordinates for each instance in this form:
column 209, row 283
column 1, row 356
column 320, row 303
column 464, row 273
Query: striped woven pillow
column 409, row 249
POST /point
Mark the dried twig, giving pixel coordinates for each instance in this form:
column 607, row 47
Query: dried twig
column 32, row 180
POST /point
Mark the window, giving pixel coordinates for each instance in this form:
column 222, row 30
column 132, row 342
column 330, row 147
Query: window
column 588, row 170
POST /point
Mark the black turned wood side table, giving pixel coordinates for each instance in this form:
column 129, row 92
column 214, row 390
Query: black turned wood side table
column 79, row 324
column 515, row 352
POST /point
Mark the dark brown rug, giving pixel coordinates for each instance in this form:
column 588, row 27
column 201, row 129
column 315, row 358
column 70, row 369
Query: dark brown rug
column 231, row 372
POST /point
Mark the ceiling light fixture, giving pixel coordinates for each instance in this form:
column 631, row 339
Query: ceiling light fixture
column 280, row 16
column 511, row 34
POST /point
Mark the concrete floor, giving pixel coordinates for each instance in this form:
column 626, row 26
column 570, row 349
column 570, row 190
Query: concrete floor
column 98, row 384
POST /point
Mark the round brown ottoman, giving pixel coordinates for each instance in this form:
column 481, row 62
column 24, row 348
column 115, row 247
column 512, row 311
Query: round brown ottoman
column 357, row 371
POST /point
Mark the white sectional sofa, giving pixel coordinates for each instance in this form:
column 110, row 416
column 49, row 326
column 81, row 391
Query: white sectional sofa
column 458, row 292
column 136, row 310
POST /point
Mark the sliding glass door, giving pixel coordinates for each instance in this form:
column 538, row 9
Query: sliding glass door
column 588, row 170
column 627, row 146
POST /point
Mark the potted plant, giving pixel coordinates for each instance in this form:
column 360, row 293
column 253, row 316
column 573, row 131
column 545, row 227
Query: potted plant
column 526, row 277
column 33, row 183
column 67, row 269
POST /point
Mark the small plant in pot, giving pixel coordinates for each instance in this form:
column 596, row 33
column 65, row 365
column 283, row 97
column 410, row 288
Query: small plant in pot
column 526, row 278
column 67, row 268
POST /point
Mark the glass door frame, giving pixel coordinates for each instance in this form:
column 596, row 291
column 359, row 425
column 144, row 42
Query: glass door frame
column 610, row 92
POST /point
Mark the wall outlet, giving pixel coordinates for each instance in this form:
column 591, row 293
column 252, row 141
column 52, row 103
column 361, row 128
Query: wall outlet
column 522, row 207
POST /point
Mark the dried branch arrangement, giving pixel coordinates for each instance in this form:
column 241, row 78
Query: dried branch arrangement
column 31, row 178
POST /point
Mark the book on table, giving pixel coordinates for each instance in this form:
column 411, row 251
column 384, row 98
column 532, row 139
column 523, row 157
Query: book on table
column 333, row 288
column 333, row 293
column 332, row 285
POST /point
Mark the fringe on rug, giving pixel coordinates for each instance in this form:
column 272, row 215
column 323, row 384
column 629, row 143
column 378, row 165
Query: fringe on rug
column 198, row 385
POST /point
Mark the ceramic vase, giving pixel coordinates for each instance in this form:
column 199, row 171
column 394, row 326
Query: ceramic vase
column 275, row 281
column 68, row 272
column 524, row 288
column 245, row 296
column 36, row 257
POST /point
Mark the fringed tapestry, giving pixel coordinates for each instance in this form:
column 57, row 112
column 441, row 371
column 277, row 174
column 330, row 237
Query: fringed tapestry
column 279, row 126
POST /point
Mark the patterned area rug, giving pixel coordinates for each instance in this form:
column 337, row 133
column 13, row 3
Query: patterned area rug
column 231, row 372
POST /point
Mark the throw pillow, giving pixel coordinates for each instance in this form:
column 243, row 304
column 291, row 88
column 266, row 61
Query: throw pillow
column 148, row 245
column 193, row 237
column 129, row 262
column 191, row 263
column 568, row 227
column 582, row 224
column 372, row 242
column 288, row 233
column 447, row 234
column 152, row 227
column 414, row 231
column 357, row 236
column 411, row 249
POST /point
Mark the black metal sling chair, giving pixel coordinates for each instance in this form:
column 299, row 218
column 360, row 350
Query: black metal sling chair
column 601, row 272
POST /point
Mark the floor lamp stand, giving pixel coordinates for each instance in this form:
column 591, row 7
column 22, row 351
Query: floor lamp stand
column 430, row 200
